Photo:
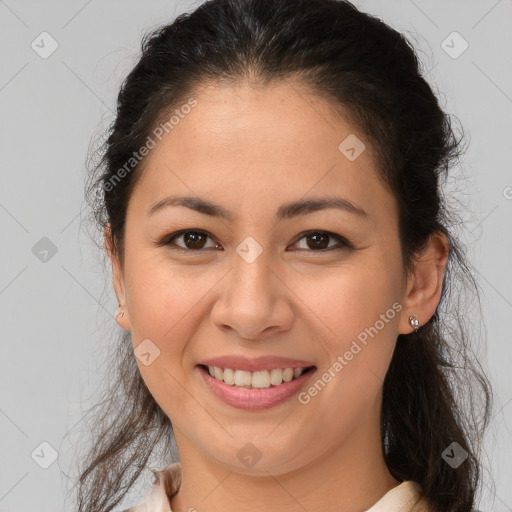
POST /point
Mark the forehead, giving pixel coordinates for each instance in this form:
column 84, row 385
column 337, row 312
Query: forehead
column 251, row 145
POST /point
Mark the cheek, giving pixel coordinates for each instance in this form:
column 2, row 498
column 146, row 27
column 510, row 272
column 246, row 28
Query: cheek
column 356, row 316
column 350, row 299
column 167, row 310
column 163, row 298
column 168, row 304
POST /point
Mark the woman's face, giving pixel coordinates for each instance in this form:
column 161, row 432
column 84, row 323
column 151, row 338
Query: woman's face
column 258, row 284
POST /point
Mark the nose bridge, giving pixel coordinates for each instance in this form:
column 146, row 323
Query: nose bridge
column 252, row 274
column 250, row 303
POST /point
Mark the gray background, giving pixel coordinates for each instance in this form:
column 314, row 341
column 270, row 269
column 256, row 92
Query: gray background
column 57, row 315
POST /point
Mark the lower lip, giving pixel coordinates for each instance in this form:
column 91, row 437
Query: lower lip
column 254, row 399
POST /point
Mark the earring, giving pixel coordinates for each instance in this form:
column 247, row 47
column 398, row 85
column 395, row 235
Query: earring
column 414, row 322
column 119, row 313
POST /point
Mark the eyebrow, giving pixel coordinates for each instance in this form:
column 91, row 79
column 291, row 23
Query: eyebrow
column 285, row 211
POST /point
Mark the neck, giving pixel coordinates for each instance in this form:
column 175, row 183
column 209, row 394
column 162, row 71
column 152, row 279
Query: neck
column 351, row 477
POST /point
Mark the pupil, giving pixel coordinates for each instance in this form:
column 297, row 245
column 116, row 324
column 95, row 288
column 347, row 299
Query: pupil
column 316, row 237
column 192, row 237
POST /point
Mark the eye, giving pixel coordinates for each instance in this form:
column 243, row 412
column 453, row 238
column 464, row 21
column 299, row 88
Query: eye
column 194, row 240
column 318, row 241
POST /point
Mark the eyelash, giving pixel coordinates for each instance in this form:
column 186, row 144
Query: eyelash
column 167, row 241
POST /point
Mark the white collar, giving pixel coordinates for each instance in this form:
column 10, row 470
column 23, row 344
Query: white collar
column 405, row 497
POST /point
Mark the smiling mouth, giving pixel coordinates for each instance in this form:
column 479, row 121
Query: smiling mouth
column 264, row 379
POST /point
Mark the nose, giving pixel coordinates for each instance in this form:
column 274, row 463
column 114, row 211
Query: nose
column 254, row 301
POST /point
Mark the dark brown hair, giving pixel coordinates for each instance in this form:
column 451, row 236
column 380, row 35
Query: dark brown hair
column 435, row 391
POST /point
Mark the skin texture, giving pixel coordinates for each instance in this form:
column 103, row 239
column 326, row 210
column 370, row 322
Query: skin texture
column 250, row 150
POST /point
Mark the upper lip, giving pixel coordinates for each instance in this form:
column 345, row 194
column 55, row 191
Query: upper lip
column 256, row 363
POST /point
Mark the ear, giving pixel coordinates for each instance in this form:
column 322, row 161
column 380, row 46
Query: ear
column 117, row 279
column 424, row 284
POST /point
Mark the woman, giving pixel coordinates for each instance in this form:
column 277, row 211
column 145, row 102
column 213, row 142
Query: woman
column 272, row 208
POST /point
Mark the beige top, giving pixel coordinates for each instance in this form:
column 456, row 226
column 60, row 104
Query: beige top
column 405, row 497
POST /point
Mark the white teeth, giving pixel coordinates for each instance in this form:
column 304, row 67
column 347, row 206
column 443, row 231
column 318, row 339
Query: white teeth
column 229, row 376
column 276, row 376
column 242, row 378
column 261, row 379
column 288, row 374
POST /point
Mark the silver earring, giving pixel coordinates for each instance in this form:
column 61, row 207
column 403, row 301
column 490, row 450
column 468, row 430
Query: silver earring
column 120, row 313
column 414, row 322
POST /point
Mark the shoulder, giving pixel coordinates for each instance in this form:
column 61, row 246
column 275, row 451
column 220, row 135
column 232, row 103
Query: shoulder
column 405, row 497
column 166, row 483
column 422, row 505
